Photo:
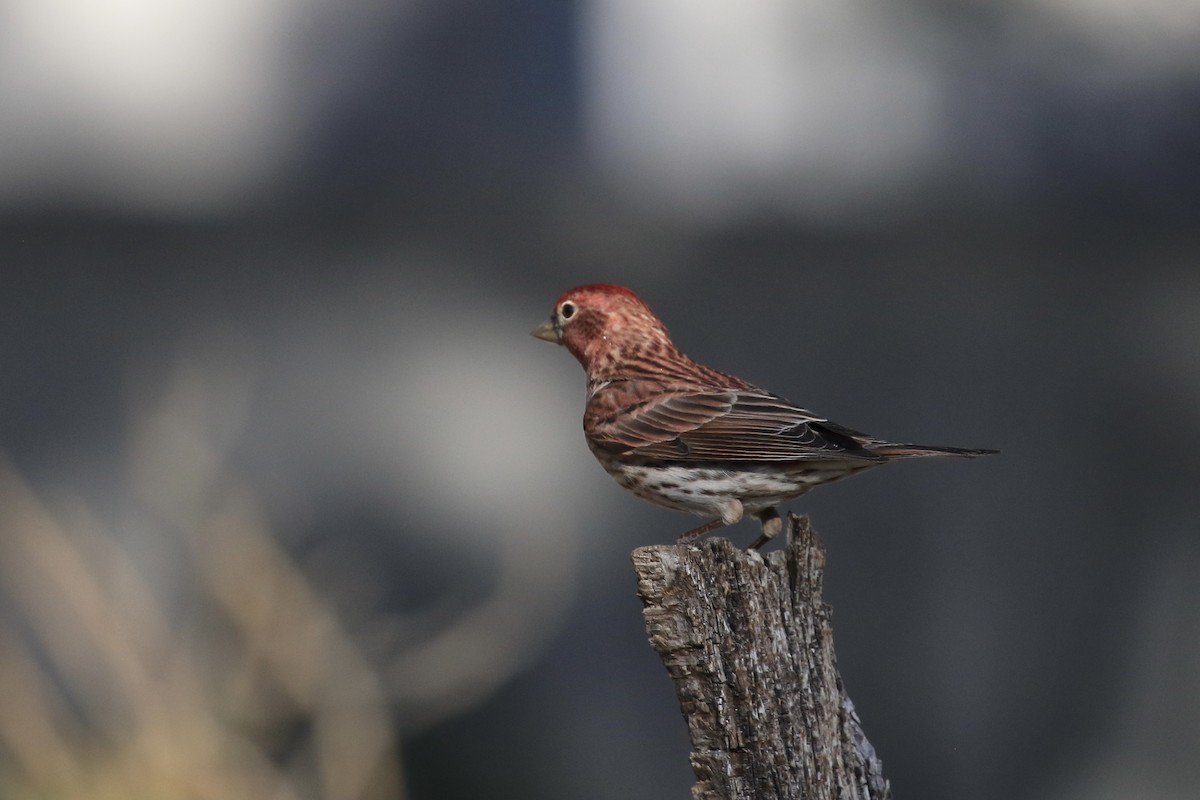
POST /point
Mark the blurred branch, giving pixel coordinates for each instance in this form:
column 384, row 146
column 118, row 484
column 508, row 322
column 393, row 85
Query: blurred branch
column 209, row 667
column 112, row 701
column 174, row 647
column 749, row 645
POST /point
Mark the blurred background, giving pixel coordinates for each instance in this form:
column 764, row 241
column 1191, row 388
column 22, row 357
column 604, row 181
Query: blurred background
column 291, row 505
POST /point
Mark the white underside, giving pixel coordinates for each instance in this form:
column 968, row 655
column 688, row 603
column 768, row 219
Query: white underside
column 709, row 492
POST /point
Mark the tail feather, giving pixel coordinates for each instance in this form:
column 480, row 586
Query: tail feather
column 895, row 450
column 884, row 449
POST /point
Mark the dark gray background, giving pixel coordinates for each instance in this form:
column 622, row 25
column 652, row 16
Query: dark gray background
column 427, row 179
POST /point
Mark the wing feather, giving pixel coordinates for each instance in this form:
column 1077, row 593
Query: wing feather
column 725, row 425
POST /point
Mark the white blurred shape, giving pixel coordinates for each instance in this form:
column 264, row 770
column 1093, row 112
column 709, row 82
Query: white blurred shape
column 716, row 108
column 478, row 439
column 471, row 418
column 1148, row 35
column 176, row 106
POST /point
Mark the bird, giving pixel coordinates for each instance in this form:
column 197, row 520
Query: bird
column 687, row 437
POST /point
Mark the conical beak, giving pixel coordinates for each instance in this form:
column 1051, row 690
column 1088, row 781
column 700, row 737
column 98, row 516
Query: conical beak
column 546, row 332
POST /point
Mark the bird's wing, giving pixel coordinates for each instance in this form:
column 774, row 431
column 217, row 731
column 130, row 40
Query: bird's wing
column 728, row 425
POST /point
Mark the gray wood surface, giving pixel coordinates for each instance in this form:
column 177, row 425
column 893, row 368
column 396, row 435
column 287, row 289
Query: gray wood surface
column 749, row 645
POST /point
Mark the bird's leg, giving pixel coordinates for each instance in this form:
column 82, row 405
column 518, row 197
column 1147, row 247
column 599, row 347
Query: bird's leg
column 696, row 533
column 730, row 513
column 771, row 526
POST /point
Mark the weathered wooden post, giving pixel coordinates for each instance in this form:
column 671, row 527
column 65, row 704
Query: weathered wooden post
column 749, row 644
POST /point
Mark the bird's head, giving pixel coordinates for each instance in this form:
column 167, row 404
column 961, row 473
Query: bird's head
column 596, row 322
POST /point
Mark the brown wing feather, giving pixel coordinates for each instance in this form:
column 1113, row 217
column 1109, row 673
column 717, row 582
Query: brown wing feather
column 732, row 425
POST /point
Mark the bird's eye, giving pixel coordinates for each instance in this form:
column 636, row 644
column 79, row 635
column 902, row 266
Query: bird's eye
column 567, row 310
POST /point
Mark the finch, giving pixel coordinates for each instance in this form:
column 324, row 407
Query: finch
column 686, row 437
